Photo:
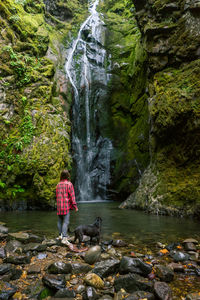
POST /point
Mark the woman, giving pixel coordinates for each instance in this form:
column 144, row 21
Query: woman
column 65, row 197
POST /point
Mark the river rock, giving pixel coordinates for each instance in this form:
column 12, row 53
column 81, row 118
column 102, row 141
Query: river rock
column 132, row 283
column 141, row 295
column 59, row 267
column 164, row 273
column 35, row 238
column 134, row 265
column 90, row 294
column 3, row 236
column 7, row 290
column 162, row 290
column 5, row 268
column 18, row 259
column 78, row 268
column 193, row 296
column 106, row 297
column 80, row 289
column 34, row 269
column 190, row 246
column 106, row 267
column 20, row 236
column 119, row 243
column 176, row 267
column 179, row 256
column 3, row 229
column 65, row 293
column 34, row 247
column 55, row 282
column 92, row 255
column 190, row 240
column 94, row 280
column 14, row 246
column 2, row 252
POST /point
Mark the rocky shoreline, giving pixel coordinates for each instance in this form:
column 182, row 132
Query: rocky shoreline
column 34, row 267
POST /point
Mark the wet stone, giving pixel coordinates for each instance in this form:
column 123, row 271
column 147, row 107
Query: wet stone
column 94, row 280
column 2, row 252
column 119, row 243
column 141, row 295
column 7, row 290
column 20, row 236
column 18, row 259
column 65, row 293
column 92, row 255
column 190, row 247
column 192, row 296
column 59, row 267
column 134, row 265
column 132, row 283
column 3, row 229
column 14, row 246
column 90, row 294
column 164, row 273
column 78, row 268
column 179, row 256
column 34, row 269
column 80, row 289
column 162, row 290
column 41, row 256
column 34, row 247
column 5, row 268
column 54, row 281
column 176, row 267
column 106, row 268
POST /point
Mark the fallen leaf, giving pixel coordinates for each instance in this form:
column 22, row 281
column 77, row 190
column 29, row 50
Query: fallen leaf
column 164, row 251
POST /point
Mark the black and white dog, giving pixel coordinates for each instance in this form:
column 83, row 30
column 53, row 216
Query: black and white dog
column 91, row 230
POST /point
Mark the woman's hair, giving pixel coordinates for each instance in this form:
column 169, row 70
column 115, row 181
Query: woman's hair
column 64, row 175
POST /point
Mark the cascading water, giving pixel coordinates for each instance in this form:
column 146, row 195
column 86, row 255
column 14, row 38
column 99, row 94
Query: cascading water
column 86, row 71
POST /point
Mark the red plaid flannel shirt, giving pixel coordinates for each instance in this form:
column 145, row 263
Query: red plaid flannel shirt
column 65, row 197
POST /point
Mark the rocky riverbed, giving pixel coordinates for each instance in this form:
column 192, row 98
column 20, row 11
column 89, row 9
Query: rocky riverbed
column 35, row 267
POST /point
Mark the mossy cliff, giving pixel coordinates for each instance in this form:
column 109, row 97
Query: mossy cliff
column 35, row 126
column 171, row 37
column 129, row 125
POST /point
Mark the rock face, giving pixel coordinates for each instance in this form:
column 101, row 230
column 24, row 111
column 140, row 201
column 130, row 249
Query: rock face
column 128, row 123
column 170, row 35
column 35, row 131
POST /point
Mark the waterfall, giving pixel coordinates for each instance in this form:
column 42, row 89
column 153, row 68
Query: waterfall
column 86, row 70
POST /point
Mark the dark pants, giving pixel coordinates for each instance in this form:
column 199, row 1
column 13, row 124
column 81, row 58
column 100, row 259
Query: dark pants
column 63, row 222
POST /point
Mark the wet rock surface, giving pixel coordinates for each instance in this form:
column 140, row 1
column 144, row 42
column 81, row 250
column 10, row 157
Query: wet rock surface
column 126, row 273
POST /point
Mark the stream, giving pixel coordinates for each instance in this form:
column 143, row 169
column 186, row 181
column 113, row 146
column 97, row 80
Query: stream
column 133, row 226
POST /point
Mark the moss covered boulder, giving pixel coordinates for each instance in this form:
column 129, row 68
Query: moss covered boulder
column 170, row 185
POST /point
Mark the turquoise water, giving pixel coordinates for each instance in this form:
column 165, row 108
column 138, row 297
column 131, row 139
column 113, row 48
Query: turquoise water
column 133, row 226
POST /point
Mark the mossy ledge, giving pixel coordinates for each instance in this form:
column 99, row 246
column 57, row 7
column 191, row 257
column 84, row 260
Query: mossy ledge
column 35, row 125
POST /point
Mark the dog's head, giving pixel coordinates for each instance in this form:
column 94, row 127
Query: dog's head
column 98, row 222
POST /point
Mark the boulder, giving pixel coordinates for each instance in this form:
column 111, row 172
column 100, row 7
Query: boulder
column 164, row 273
column 162, row 290
column 78, row 268
column 7, row 290
column 59, row 267
column 3, row 229
column 55, row 282
column 141, row 295
column 92, row 255
column 134, row 265
column 106, row 268
column 132, row 283
column 94, row 280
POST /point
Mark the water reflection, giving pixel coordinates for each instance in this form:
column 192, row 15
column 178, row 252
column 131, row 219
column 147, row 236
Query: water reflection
column 134, row 226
